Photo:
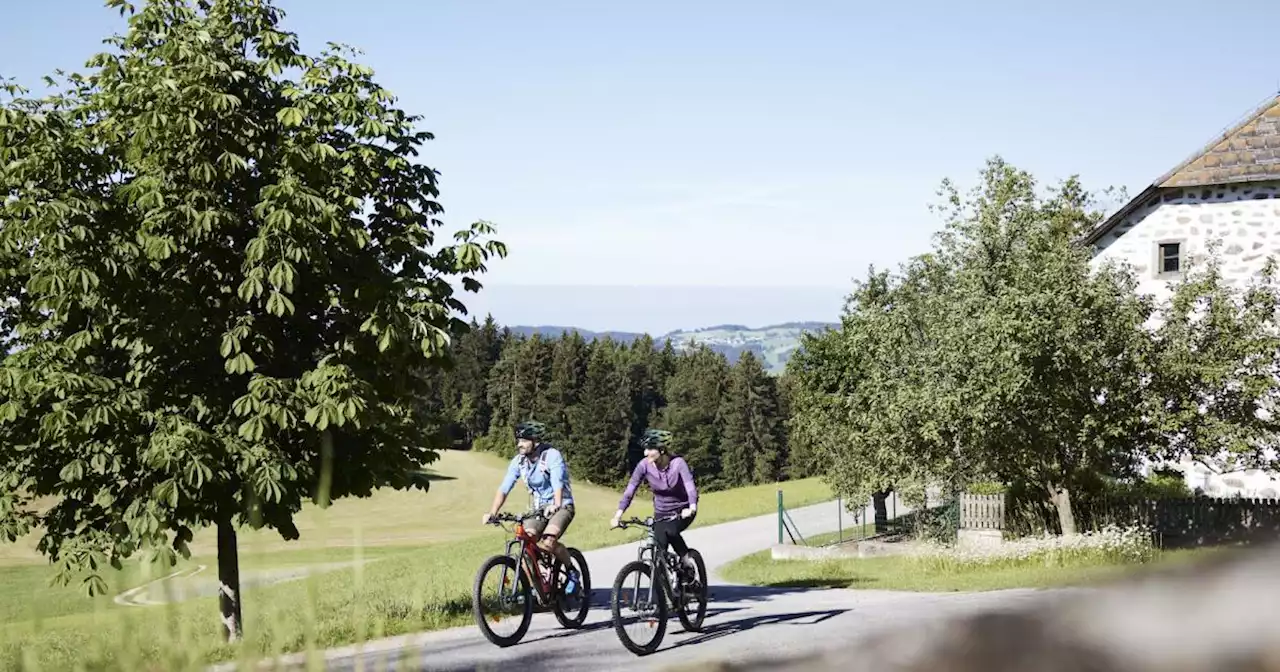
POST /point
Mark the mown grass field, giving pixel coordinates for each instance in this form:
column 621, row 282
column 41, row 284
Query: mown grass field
column 912, row 574
column 410, row 560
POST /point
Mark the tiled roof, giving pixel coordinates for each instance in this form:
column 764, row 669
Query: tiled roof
column 1247, row 152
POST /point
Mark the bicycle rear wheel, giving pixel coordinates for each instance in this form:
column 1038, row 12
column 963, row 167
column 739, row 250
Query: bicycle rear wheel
column 571, row 610
column 649, row 616
column 513, row 596
column 693, row 594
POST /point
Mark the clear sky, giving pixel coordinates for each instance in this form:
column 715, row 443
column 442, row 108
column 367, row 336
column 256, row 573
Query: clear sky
column 715, row 148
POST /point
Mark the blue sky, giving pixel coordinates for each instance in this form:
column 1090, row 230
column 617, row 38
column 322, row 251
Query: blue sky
column 652, row 165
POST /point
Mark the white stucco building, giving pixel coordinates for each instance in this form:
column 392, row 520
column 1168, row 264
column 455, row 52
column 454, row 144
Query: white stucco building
column 1228, row 192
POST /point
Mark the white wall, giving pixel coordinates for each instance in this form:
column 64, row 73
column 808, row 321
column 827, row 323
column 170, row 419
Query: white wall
column 1248, row 483
column 1245, row 220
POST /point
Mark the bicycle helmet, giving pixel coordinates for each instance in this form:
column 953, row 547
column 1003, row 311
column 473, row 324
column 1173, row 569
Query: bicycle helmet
column 531, row 429
column 658, row 439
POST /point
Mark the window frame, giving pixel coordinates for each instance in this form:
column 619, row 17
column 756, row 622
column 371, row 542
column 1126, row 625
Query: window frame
column 1158, row 257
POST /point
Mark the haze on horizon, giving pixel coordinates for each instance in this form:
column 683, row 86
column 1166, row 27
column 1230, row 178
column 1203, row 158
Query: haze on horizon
column 653, row 166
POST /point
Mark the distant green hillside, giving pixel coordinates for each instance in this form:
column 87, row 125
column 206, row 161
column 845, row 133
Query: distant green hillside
column 773, row 344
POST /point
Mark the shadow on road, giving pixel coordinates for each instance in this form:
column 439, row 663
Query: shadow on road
column 719, row 630
column 608, row 625
column 732, row 594
column 729, row 594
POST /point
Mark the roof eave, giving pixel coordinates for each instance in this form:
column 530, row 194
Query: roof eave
column 1114, row 220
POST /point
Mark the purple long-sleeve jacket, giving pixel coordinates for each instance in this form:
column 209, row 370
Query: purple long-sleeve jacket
column 672, row 488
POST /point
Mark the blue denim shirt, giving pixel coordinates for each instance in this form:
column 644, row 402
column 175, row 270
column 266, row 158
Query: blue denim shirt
column 542, row 476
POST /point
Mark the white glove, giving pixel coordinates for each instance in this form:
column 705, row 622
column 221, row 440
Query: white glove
column 617, row 520
column 551, row 508
column 686, row 513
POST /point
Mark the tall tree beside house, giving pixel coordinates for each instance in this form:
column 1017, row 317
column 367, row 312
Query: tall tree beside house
column 1054, row 353
column 999, row 352
column 1215, row 366
column 230, row 286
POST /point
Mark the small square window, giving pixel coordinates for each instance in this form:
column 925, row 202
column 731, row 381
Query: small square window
column 1169, row 258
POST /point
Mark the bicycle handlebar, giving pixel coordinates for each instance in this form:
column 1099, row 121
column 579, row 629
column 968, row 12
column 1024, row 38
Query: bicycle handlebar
column 516, row 517
column 647, row 522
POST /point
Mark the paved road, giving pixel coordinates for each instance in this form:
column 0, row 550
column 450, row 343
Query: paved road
column 742, row 622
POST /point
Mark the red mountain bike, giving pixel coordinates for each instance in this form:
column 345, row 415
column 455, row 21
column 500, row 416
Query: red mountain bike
column 528, row 575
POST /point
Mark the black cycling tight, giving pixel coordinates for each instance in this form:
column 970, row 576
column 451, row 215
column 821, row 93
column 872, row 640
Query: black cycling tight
column 668, row 532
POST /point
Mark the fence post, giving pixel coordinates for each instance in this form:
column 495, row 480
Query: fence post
column 779, row 516
column 840, row 519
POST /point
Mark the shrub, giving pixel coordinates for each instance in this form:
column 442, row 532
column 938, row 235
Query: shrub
column 987, row 488
column 1110, row 545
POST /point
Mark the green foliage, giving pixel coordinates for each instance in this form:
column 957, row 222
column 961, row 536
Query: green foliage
column 1214, row 367
column 1002, row 353
column 1155, row 486
column 753, row 450
column 694, row 393
column 987, row 488
column 601, row 424
column 599, row 396
column 225, row 281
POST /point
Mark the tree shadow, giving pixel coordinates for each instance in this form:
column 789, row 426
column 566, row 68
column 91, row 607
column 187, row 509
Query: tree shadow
column 719, row 630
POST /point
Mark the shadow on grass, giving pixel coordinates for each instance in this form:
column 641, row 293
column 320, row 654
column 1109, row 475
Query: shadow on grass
column 432, row 476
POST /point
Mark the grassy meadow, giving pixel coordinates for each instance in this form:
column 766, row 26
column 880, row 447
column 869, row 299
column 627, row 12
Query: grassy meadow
column 394, row 563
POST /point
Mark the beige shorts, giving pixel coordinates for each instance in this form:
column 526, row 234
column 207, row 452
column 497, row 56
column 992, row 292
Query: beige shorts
column 561, row 518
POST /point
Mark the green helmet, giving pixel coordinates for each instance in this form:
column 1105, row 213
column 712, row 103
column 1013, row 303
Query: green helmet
column 531, row 429
column 656, row 438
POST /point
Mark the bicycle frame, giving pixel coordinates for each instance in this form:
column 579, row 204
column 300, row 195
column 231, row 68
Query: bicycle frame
column 530, row 558
column 648, row 554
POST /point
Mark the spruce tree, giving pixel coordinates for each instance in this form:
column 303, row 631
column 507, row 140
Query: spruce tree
column 694, row 393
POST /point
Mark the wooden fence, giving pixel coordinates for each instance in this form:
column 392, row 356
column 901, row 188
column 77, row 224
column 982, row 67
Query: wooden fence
column 1189, row 521
column 982, row 512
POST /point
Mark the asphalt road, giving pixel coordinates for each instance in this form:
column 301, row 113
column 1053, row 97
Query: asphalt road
column 742, row 622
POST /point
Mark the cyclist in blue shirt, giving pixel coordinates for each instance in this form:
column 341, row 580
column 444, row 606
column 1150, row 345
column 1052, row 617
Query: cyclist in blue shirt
column 546, row 474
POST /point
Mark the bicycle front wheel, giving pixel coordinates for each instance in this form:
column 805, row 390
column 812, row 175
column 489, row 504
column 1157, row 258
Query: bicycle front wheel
column 509, row 596
column 638, row 606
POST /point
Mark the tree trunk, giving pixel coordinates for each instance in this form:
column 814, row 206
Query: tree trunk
column 1061, row 498
column 878, row 500
column 229, row 582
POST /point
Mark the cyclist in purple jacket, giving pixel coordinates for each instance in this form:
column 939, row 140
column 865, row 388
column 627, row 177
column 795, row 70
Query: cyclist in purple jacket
column 675, row 497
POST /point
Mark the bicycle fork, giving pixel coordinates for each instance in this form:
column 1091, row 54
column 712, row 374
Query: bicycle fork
column 659, row 582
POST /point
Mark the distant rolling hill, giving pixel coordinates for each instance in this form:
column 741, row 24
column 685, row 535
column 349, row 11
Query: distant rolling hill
column 773, row 344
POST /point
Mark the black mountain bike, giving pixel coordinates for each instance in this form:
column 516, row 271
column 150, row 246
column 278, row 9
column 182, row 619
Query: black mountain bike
column 677, row 586
column 527, row 576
